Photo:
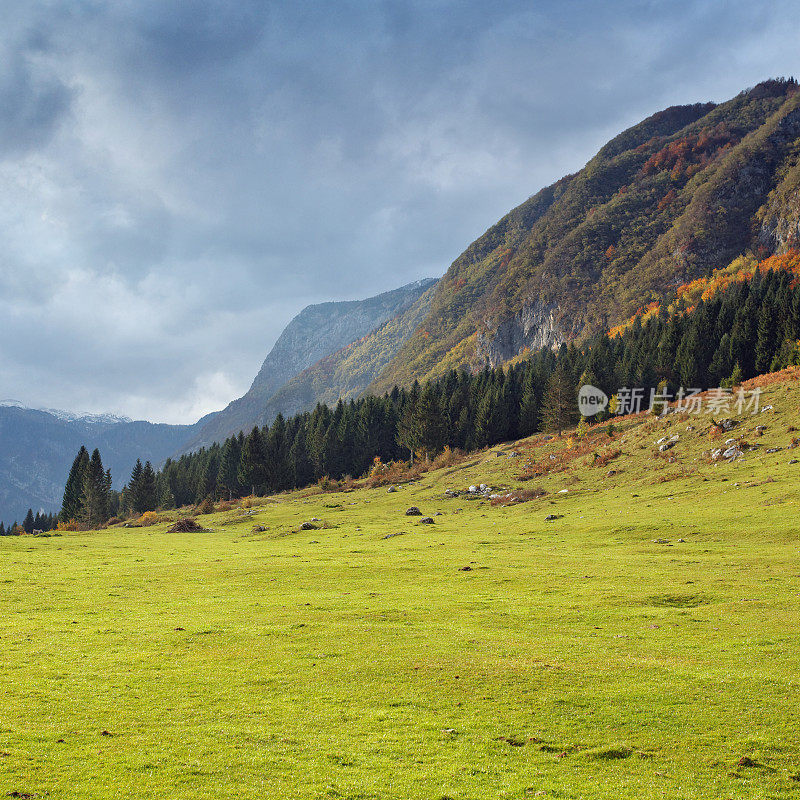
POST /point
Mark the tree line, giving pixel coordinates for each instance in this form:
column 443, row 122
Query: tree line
column 746, row 329
column 32, row 522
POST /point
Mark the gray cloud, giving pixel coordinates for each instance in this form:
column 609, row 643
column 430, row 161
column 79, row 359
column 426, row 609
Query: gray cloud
column 178, row 180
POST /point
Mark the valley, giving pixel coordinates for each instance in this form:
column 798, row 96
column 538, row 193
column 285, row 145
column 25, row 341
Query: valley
column 628, row 633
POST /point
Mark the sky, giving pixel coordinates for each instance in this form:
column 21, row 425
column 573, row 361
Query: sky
column 179, row 179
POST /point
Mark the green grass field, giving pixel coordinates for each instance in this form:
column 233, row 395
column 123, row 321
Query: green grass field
column 576, row 658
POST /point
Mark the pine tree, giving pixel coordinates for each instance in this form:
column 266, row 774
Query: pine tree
column 252, row 464
column 277, row 465
column 72, row 504
column 529, row 405
column 559, row 404
column 227, row 475
column 132, row 500
column 429, row 421
column 300, row 461
column 765, row 340
column 408, row 434
column 147, row 495
column 28, row 523
column 95, row 492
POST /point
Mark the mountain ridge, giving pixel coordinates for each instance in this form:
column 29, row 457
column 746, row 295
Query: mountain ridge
column 317, row 332
column 671, row 198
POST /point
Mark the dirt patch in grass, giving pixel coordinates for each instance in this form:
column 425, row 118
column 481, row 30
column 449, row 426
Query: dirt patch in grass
column 610, row 753
column 677, row 600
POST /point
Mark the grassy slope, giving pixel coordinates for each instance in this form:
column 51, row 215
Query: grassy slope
column 337, row 663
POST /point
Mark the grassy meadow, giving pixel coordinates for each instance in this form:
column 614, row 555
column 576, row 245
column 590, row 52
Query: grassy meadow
column 643, row 644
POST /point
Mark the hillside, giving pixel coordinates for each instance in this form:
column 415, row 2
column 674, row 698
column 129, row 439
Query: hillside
column 317, row 332
column 39, row 447
column 667, row 201
column 347, row 372
column 627, row 634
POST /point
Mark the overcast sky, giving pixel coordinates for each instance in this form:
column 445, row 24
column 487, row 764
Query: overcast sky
column 180, row 178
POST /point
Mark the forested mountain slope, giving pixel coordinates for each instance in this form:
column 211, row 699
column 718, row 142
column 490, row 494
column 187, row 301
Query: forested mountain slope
column 667, row 201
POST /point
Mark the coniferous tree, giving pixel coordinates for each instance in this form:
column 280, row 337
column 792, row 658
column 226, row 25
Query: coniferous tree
column 132, row 493
column 28, row 523
column 72, row 504
column 559, row 403
column 529, row 410
column 252, row 464
column 765, row 340
column 300, row 461
column 429, row 421
column 228, row 473
column 408, row 433
column 95, row 492
column 277, row 476
column 148, row 489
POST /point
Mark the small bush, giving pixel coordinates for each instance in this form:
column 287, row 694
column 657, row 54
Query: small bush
column 205, row 507
column 148, row 518
column 71, row 525
column 603, row 458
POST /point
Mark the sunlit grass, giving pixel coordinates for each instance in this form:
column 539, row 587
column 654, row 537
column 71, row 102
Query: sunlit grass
column 576, row 658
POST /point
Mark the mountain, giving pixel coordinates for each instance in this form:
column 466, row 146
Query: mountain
column 39, row 446
column 318, row 332
column 347, row 372
column 683, row 192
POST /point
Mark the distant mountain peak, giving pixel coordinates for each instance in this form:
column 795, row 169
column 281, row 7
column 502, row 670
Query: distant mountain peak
column 317, row 332
column 70, row 416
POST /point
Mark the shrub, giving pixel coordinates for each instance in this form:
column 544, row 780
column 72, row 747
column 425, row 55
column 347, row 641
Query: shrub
column 206, row 507
column 148, row 518
column 71, row 525
column 604, row 458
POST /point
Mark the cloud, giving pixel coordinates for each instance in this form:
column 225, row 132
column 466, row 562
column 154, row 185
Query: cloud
column 179, row 179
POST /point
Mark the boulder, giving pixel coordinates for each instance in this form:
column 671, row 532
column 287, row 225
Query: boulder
column 308, row 526
column 413, row 512
column 392, row 489
column 472, row 489
column 426, row 521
